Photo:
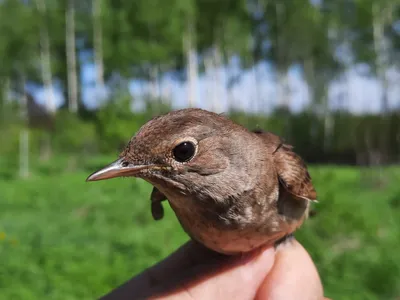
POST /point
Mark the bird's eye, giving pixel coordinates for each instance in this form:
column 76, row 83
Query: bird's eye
column 184, row 151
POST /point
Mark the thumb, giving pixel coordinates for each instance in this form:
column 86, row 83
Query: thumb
column 239, row 279
column 294, row 275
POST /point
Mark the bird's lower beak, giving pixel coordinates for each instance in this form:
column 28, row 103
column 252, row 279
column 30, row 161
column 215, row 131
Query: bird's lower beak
column 118, row 168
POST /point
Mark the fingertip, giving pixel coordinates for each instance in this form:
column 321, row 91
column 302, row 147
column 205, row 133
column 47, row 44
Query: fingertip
column 293, row 276
column 262, row 262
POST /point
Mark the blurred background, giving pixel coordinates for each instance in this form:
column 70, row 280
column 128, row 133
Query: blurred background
column 79, row 78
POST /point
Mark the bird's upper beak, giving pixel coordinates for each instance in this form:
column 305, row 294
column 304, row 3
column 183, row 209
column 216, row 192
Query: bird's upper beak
column 118, row 168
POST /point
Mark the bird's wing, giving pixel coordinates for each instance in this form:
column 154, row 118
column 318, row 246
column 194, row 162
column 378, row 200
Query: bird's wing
column 291, row 170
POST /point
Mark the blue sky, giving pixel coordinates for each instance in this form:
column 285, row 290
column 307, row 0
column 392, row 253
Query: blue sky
column 356, row 93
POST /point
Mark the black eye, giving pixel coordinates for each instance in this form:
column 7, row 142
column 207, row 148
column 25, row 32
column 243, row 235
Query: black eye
column 184, row 151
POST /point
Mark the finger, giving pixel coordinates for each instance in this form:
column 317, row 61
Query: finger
column 177, row 263
column 194, row 271
column 238, row 280
column 294, row 276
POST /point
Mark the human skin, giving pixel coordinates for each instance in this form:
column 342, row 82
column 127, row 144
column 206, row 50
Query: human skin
column 194, row 272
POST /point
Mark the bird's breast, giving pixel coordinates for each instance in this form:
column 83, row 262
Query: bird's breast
column 230, row 231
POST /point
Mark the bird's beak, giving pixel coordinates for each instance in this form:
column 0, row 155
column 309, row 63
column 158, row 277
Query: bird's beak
column 118, row 168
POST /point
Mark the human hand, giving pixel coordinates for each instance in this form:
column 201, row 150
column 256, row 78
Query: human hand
column 194, row 272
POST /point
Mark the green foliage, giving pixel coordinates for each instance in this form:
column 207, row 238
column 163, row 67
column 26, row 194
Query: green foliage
column 350, row 136
column 71, row 258
column 62, row 238
column 9, row 139
column 16, row 42
column 73, row 135
column 355, row 232
column 116, row 124
column 351, row 139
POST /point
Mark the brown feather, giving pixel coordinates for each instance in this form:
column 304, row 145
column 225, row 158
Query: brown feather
column 292, row 171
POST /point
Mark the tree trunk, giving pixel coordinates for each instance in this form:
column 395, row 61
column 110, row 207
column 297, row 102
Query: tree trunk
column 98, row 47
column 282, row 64
column 314, row 105
column 256, row 82
column 165, row 87
column 5, row 92
column 71, row 57
column 319, row 101
column 154, row 86
column 209, row 67
column 24, row 134
column 381, row 52
column 283, row 89
column 230, row 100
column 158, row 82
column 309, row 74
column 380, row 18
column 218, row 79
column 47, row 77
column 45, row 59
column 189, row 45
column 166, row 93
column 329, row 123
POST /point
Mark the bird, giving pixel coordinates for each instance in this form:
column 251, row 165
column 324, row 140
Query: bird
column 232, row 189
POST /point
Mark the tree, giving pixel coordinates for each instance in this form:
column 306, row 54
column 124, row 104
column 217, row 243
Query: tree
column 97, row 11
column 45, row 56
column 71, row 56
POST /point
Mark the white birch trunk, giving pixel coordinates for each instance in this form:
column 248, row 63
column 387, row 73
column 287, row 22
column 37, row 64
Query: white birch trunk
column 282, row 65
column 7, row 88
column 381, row 52
column 189, row 46
column 5, row 97
column 230, row 100
column 158, row 75
column 219, row 80
column 24, row 135
column 71, row 57
column 381, row 16
column 47, row 77
column 309, row 74
column 210, row 79
column 167, row 93
column 256, row 100
column 154, row 85
column 283, row 89
column 98, row 46
column 314, row 105
column 329, row 123
column 165, row 86
column 45, row 60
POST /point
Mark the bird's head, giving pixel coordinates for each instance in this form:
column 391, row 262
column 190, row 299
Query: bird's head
column 189, row 151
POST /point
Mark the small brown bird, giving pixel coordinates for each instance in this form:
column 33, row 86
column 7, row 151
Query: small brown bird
column 232, row 189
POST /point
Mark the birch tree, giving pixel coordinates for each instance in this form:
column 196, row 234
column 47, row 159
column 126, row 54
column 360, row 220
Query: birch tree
column 382, row 16
column 24, row 133
column 46, row 73
column 189, row 46
column 98, row 45
column 45, row 58
column 374, row 46
column 72, row 76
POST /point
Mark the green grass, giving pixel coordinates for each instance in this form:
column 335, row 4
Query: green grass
column 63, row 238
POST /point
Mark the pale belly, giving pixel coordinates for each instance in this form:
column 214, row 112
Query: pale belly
column 231, row 242
column 265, row 228
column 228, row 241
